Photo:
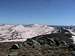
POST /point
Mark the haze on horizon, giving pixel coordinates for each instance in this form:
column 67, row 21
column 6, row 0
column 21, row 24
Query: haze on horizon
column 53, row 12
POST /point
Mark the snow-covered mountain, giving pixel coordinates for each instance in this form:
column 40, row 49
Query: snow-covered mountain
column 10, row 33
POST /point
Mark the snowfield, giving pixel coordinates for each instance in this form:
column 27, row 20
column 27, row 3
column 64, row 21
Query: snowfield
column 13, row 33
column 20, row 33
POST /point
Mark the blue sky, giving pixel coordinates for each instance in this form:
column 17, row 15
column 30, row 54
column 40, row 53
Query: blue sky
column 53, row 12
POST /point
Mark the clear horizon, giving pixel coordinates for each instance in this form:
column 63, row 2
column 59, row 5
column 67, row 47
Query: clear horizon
column 51, row 12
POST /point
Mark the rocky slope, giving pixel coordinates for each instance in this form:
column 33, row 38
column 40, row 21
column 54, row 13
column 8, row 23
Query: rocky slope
column 55, row 44
column 36, row 40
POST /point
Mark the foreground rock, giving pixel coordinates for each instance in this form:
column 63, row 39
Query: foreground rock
column 56, row 44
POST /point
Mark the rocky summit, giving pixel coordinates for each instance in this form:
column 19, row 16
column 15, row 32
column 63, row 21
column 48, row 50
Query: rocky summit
column 55, row 44
column 48, row 41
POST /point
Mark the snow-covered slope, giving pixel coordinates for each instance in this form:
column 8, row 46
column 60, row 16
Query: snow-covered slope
column 10, row 33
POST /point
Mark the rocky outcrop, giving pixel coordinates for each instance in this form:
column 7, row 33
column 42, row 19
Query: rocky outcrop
column 55, row 44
